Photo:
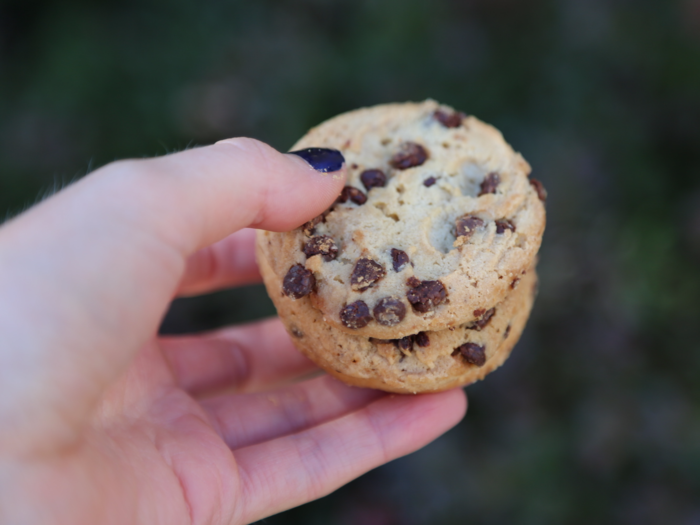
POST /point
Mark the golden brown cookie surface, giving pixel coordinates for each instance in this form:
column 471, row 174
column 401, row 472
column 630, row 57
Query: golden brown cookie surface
column 420, row 276
column 438, row 215
column 424, row 362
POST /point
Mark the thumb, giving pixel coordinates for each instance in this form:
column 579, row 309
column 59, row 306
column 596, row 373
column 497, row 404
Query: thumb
column 88, row 273
column 236, row 183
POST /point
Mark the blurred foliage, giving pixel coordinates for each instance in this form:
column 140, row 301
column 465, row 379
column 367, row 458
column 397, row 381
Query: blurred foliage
column 596, row 417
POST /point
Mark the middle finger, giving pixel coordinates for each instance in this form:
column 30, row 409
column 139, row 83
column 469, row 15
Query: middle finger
column 248, row 419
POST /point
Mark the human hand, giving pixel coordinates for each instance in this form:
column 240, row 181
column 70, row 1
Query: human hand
column 102, row 421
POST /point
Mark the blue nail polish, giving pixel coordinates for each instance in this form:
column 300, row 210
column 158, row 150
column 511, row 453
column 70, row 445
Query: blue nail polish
column 324, row 160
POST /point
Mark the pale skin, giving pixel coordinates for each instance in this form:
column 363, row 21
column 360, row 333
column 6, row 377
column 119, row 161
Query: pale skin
column 104, row 422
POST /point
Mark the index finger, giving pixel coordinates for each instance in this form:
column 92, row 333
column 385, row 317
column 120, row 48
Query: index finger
column 229, row 262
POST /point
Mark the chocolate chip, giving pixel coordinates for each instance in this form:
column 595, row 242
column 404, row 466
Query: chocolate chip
column 373, row 179
column 490, row 183
column 399, row 259
column 365, row 274
column 541, row 192
column 514, row 283
column 298, row 282
column 506, row 333
column 503, row 225
column 389, row 311
column 427, row 296
column 429, row 182
column 296, row 332
column 466, row 225
column 472, row 353
column 483, row 318
column 310, row 227
column 355, row 315
column 321, row 244
column 405, row 343
column 449, row 120
column 413, row 281
column 422, row 339
column 355, row 195
column 411, row 155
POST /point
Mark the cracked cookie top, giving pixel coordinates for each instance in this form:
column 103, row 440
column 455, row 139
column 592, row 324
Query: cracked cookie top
column 438, row 219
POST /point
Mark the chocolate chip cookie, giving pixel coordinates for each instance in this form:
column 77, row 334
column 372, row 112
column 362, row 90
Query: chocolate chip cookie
column 438, row 224
column 438, row 214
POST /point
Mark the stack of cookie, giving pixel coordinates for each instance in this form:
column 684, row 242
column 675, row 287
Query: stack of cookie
column 421, row 276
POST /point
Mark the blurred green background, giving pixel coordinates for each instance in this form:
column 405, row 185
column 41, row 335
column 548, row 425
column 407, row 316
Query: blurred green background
column 596, row 417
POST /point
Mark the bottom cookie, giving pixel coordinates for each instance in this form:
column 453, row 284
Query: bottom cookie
column 424, row 362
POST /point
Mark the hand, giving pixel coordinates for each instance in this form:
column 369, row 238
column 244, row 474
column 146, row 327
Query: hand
column 102, row 421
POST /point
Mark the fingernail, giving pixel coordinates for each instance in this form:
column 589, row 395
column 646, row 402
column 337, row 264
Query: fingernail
column 324, row 160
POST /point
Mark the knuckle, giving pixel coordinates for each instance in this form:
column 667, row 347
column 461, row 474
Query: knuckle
column 250, row 147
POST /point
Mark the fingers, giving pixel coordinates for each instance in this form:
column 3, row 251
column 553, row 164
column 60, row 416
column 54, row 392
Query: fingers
column 244, row 420
column 226, row 263
column 247, row 358
column 88, row 274
column 298, row 468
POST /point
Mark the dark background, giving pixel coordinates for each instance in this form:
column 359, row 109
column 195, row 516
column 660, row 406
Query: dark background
column 596, row 417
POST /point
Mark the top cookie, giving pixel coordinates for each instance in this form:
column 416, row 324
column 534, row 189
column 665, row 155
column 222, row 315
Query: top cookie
column 438, row 220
